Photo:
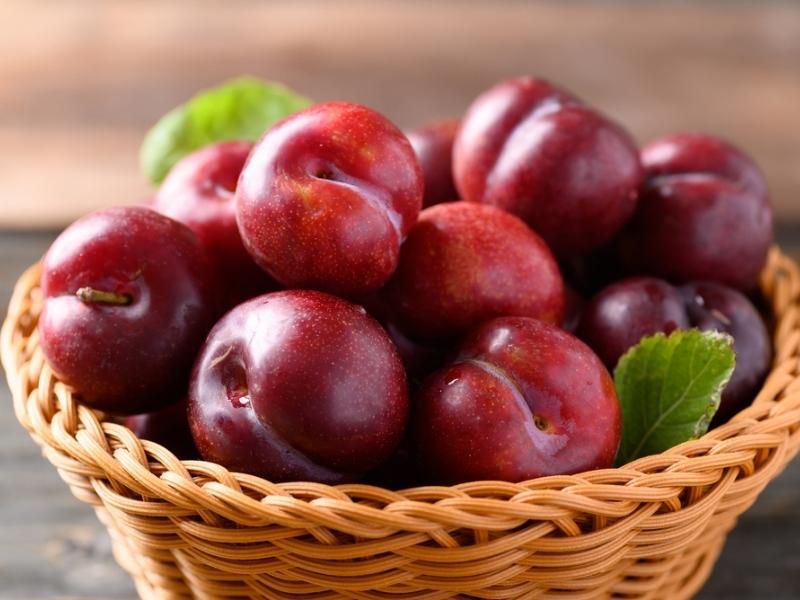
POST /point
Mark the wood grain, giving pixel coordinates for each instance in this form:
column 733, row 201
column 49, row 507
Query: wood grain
column 81, row 81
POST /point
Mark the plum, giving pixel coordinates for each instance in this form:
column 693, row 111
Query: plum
column 298, row 385
column 327, row 197
column 433, row 144
column 168, row 426
column 535, row 150
column 623, row 313
column 199, row 192
column 715, row 307
column 704, row 214
column 129, row 296
column 619, row 316
column 522, row 399
column 465, row 263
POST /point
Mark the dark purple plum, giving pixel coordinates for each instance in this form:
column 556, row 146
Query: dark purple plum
column 623, row 313
column 169, row 427
column 619, row 316
column 704, row 214
column 420, row 359
column 398, row 472
column 574, row 304
column 129, row 296
column 590, row 273
column 714, row 307
column 298, row 385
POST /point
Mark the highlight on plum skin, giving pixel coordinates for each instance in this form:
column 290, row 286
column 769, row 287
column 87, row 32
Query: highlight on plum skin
column 129, row 295
column 341, row 187
column 522, row 399
column 298, row 385
column 704, row 214
column 616, row 319
column 535, row 150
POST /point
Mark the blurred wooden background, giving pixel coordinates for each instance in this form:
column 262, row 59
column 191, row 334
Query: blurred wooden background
column 81, row 81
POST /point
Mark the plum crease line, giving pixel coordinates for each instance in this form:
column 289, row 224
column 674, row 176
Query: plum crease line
column 506, row 378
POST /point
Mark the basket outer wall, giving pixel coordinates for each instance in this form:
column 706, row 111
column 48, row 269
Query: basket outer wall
column 651, row 529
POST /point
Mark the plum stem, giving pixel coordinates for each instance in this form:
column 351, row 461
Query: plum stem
column 89, row 295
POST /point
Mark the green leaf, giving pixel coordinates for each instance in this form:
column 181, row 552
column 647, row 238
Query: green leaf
column 669, row 388
column 239, row 109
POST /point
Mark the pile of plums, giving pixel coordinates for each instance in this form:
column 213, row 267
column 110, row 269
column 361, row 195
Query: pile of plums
column 341, row 301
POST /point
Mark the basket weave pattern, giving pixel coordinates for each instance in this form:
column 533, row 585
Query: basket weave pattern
column 652, row 529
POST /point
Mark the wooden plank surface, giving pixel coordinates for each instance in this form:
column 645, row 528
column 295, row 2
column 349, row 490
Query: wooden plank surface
column 51, row 545
column 81, row 81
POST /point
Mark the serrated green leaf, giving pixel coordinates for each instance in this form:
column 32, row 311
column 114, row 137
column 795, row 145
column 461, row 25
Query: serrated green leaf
column 239, row 109
column 669, row 388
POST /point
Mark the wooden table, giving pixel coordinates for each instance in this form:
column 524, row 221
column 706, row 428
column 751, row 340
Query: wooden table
column 51, row 545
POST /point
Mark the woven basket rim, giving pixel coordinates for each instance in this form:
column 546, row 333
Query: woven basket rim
column 111, row 451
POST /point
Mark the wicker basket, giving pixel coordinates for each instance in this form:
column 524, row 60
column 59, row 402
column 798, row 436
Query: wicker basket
column 652, row 529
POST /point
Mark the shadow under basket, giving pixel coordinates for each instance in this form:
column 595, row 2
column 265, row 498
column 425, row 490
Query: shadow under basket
column 651, row 529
